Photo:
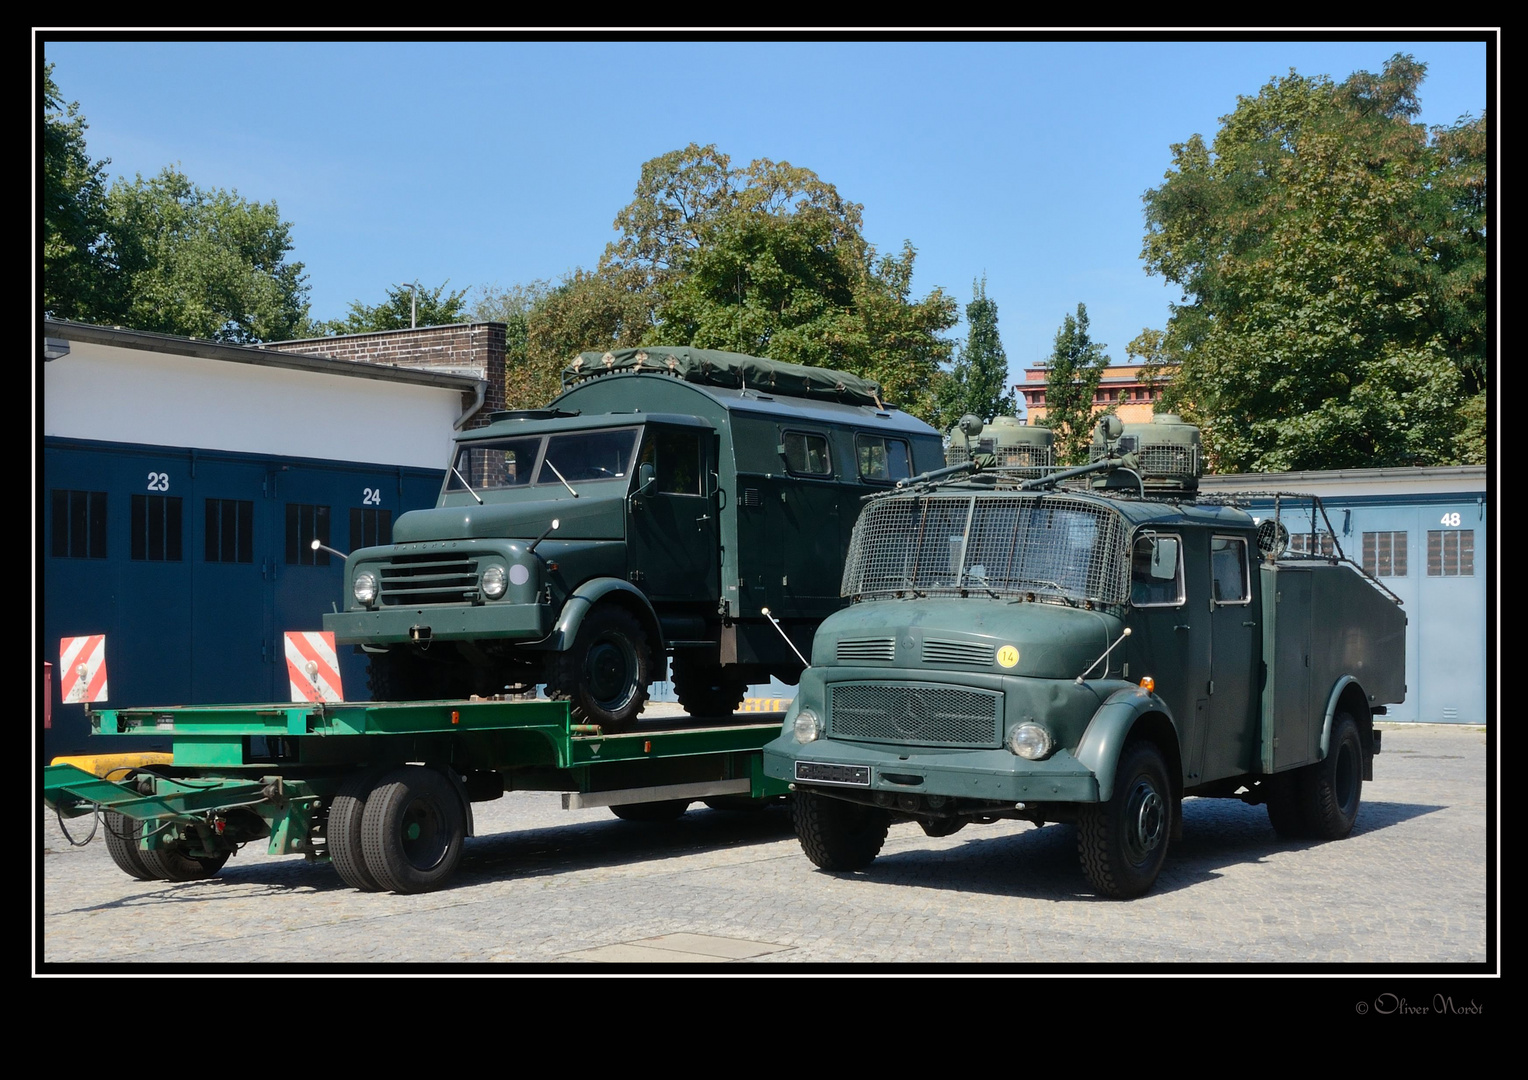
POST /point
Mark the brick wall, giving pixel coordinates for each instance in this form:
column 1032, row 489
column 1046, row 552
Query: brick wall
column 461, row 348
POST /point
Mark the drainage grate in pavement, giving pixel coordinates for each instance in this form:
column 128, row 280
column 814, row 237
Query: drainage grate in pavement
column 678, row 949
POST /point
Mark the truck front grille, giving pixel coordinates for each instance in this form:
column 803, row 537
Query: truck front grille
column 915, row 713
column 866, row 649
column 428, row 579
column 956, row 652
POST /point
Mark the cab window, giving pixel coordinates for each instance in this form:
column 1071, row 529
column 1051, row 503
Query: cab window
column 1156, row 570
column 587, row 455
column 1228, row 570
column 676, row 462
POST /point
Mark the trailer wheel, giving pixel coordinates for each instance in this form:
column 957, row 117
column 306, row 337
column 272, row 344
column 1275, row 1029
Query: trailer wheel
column 412, row 830
column 122, row 833
column 669, row 810
column 1122, row 843
column 706, row 689
column 1334, row 785
column 172, row 864
column 343, row 832
column 838, row 835
column 604, row 676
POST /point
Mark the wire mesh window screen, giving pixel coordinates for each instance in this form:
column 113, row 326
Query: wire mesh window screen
column 953, row 544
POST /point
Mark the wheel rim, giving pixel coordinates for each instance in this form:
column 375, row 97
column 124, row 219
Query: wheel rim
column 423, row 836
column 611, row 672
column 1145, row 821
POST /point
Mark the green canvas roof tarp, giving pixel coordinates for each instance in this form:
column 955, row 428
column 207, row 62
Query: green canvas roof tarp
column 732, row 370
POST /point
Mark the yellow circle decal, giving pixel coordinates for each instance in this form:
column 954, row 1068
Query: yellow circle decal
column 1007, row 656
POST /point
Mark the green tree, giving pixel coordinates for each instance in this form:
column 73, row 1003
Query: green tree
column 1075, row 367
column 771, row 260
column 584, row 311
column 74, row 211
column 160, row 254
column 1333, row 260
column 978, row 381
column 203, row 263
column 405, row 306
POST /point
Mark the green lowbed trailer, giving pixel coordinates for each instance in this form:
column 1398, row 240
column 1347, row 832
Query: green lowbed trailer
column 384, row 791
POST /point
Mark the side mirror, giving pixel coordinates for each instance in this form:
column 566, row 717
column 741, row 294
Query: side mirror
column 647, row 478
column 1164, row 558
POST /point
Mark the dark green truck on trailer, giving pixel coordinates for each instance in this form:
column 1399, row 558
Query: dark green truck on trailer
column 1089, row 645
column 670, row 501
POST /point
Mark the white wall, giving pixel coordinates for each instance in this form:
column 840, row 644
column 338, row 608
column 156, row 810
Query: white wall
column 136, row 396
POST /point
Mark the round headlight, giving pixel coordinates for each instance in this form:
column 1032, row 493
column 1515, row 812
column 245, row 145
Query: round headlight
column 494, row 582
column 808, row 727
column 1030, row 741
column 365, row 587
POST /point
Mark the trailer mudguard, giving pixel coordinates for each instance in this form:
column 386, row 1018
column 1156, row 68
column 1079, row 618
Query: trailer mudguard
column 1104, row 740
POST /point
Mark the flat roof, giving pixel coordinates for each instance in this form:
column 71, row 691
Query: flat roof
column 252, row 354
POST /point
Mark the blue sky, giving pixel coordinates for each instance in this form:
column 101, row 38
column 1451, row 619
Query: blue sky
column 505, row 161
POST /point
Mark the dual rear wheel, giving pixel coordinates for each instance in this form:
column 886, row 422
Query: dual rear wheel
column 401, row 830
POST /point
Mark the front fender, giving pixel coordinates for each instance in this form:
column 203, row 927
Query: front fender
column 1104, row 740
column 582, row 601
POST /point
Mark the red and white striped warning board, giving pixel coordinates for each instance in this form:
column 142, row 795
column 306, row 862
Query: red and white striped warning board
column 82, row 669
column 312, row 666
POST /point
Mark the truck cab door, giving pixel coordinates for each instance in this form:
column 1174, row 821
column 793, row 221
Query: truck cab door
column 1170, row 632
column 1231, row 747
column 673, row 546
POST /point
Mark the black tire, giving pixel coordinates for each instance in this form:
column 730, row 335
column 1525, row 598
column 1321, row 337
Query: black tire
column 838, row 835
column 1320, row 801
column 1122, row 843
column 413, row 830
column 172, row 864
column 1334, row 785
column 343, row 832
column 669, row 810
column 122, row 834
column 604, row 676
column 1286, row 813
column 400, row 676
column 707, row 689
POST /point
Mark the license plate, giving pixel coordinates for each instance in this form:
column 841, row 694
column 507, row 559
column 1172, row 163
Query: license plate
column 820, row 772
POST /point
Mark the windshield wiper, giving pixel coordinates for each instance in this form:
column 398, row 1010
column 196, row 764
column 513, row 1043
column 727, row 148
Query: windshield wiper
column 560, row 477
column 468, row 486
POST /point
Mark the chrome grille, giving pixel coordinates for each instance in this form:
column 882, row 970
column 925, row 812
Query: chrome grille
column 428, row 579
column 913, row 713
column 956, row 652
column 866, row 649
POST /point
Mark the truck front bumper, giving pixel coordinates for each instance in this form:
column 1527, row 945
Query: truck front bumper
column 446, row 622
column 830, row 766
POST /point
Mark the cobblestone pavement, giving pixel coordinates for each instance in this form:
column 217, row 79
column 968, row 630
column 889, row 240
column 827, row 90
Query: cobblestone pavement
column 543, row 889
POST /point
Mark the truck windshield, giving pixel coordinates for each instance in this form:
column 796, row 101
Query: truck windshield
column 493, row 464
column 1002, row 545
